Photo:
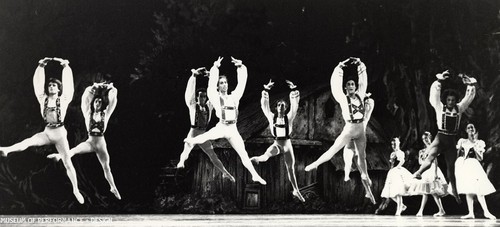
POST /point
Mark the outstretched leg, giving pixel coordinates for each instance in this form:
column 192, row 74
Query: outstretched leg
column 349, row 151
column 271, row 151
column 62, row 147
column 38, row 139
column 239, row 146
column 433, row 153
column 209, row 150
column 212, row 134
column 290, row 169
column 103, row 156
column 84, row 147
column 340, row 142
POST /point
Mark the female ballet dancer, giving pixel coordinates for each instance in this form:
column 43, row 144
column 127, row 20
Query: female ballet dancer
column 98, row 103
column 432, row 183
column 398, row 178
column 226, row 109
column 281, row 125
column 471, row 178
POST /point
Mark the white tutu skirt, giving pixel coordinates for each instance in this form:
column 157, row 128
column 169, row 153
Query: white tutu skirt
column 471, row 178
column 429, row 184
column 397, row 182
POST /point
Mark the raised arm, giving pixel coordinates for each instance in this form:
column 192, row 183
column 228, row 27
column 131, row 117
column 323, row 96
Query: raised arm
column 39, row 78
column 87, row 97
column 294, row 100
column 362, row 78
column 67, row 79
column 212, row 81
column 435, row 90
column 264, row 100
column 189, row 95
column 242, row 74
column 113, row 100
column 336, row 82
column 470, row 93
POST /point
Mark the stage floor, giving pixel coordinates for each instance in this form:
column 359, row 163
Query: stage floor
column 240, row 220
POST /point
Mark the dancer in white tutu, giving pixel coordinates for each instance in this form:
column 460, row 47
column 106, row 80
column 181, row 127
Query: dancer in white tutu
column 432, row 183
column 350, row 149
column 471, row 178
column 398, row 178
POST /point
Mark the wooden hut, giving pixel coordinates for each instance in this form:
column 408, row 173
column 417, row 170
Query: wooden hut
column 318, row 122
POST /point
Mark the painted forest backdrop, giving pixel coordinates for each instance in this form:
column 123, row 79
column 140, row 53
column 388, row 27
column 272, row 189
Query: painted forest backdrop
column 148, row 48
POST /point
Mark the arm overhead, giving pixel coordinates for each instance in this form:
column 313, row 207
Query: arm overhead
column 435, row 90
column 242, row 73
column 190, row 93
column 212, row 81
column 113, row 99
column 362, row 78
column 336, row 82
column 264, row 100
column 294, row 100
column 39, row 79
column 470, row 93
column 67, row 79
column 87, row 97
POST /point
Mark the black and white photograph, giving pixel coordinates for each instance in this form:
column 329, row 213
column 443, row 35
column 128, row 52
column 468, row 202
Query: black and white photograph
column 249, row 113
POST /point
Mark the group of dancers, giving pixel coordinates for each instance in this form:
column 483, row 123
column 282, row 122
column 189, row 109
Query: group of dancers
column 465, row 174
column 98, row 103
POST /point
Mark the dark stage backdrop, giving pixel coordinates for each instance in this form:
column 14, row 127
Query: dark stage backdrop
column 147, row 49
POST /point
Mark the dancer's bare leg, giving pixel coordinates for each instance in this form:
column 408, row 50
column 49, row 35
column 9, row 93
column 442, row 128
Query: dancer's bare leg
column 62, row 147
column 340, row 142
column 441, row 211
column 84, row 147
column 209, row 150
column 239, row 146
column 38, row 139
column 103, row 156
column 470, row 206
column 348, row 155
column 422, row 206
column 482, row 202
column 271, row 151
column 290, row 169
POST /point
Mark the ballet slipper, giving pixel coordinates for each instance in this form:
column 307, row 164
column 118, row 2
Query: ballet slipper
column 310, row 167
column 3, row 153
column 259, row 179
column 254, row 160
column 489, row 216
column 228, row 176
column 116, row 193
column 55, row 156
column 299, row 196
column 419, row 214
column 468, row 216
column 439, row 214
column 79, row 197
